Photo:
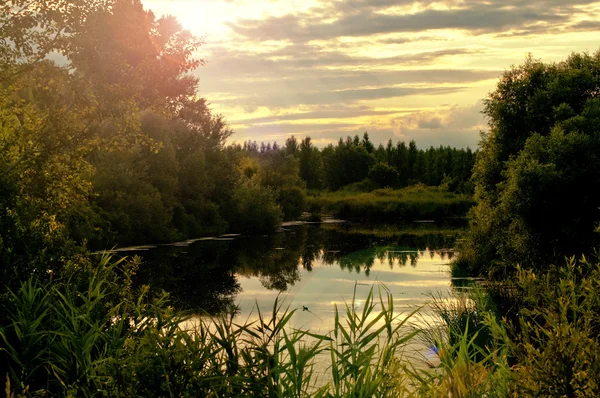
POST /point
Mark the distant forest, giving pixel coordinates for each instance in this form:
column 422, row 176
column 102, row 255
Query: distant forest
column 194, row 184
column 356, row 160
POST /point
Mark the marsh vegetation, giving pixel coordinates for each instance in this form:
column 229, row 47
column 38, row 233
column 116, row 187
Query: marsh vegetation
column 104, row 143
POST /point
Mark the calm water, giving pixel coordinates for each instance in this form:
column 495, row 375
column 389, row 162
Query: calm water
column 313, row 266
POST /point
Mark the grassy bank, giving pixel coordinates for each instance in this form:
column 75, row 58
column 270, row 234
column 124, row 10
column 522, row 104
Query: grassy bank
column 89, row 334
column 398, row 231
column 390, row 206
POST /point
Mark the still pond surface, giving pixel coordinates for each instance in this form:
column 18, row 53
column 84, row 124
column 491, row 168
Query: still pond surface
column 312, row 266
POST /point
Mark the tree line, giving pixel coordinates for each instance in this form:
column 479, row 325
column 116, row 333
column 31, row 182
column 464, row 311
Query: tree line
column 356, row 164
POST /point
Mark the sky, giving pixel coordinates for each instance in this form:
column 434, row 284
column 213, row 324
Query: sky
column 399, row 69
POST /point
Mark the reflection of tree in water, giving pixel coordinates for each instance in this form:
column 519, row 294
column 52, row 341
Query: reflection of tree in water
column 203, row 276
column 359, row 260
column 363, row 260
column 273, row 258
column 404, row 250
column 198, row 283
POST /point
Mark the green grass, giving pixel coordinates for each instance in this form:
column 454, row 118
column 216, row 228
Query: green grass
column 88, row 335
column 393, row 206
column 395, row 231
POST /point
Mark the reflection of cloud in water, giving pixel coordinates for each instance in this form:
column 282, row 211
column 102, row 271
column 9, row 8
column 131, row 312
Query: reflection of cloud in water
column 313, row 265
column 328, row 285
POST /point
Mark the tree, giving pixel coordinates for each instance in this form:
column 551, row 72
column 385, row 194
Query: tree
column 384, row 175
column 536, row 175
column 118, row 59
column 310, row 164
column 347, row 163
column 367, row 143
column 291, row 146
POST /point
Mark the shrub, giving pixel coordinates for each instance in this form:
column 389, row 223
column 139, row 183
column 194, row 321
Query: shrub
column 293, row 201
column 256, row 210
column 558, row 337
column 384, row 175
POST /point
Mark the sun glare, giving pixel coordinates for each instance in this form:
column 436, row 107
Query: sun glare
column 197, row 17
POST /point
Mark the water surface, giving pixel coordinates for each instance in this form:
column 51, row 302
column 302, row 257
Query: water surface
column 307, row 266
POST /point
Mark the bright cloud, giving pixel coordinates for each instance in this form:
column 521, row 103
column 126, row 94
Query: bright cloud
column 399, row 69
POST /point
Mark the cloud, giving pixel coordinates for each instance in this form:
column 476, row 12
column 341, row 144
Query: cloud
column 586, row 25
column 321, row 112
column 301, row 74
column 431, row 123
column 342, row 67
column 302, row 80
column 279, row 132
column 287, row 99
column 305, row 59
column 457, row 126
column 475, row 17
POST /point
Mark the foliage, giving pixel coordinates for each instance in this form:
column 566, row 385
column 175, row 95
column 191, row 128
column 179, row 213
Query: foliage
column 535, row 176
column 557, row 346
column 90, row 335
column 348, row 162
column 384, row 175
column 387, row 205
column 311, row 168
column 56, row 116
column 255, row 208
column 541, row 340
column 354, row 161
column 364, row 347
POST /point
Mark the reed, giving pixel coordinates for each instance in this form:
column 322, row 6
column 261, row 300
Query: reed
column 80, row 336
column 392, row 206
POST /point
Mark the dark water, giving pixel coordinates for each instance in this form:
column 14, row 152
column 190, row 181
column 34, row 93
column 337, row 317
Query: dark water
column 313, row 266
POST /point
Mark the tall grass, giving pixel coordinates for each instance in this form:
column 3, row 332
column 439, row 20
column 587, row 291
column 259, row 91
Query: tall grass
column 543, row 342
column 386, row 205
column 82, row 336
column 89, row 334
column 470, row 349
column 364, row 347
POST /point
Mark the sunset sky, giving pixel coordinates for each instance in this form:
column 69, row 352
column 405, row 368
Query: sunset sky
column 398, row 69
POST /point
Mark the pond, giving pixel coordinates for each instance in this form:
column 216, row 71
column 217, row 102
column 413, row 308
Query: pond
column 310, row 267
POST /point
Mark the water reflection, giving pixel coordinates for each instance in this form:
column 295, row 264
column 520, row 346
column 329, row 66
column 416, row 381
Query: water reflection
column 211, row 275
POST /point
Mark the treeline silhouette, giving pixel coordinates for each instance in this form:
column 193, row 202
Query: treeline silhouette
column 357, row 164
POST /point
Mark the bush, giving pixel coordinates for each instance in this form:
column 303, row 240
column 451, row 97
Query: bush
column 293, row 201
column 384, row 175
column 256, row 210
column 546, row 326
column 558, row 338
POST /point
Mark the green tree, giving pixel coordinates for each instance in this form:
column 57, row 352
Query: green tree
column 384, row 175
column 256, row 210
column 118, row 59
column 310, row 164
column 348, row 162
column 536, row 175
column 366, row 142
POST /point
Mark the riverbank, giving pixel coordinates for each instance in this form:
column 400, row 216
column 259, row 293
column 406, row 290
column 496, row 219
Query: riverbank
column 391, row 206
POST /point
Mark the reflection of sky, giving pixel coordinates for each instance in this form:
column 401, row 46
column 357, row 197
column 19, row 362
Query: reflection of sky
column 327, row 285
